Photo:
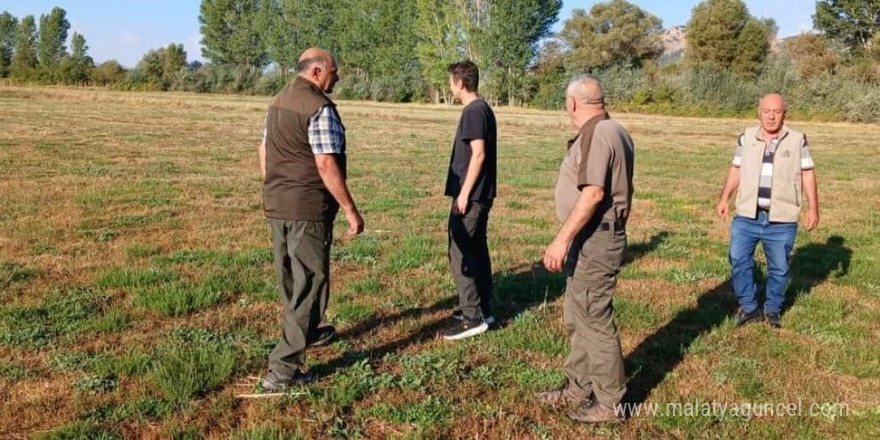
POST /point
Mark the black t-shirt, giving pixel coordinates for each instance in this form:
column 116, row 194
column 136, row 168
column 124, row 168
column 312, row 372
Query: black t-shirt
column 477, row 122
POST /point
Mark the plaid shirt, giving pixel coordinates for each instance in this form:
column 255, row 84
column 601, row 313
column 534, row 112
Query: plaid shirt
column 326, row 132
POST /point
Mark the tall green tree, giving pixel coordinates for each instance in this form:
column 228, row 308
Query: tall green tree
column 440, row 43
column 376, row 43
column 8, row 27
column 515, row 28
column 24, row 59
column 162, row 66
column 78, row 67
column 616, row 32
column 231, row 33
column 53, row 35
column 291, row 26
column 721, row 34
column 851, row 22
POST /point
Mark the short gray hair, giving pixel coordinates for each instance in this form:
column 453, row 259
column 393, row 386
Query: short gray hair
column 587, row 89
column 305, row 64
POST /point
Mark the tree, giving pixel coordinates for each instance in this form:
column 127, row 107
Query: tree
column 851, row 22
column 514, row 30
column 231, row 33
column 292, row 26
column 77, row 68
column 161, row 67
column 439, row 43
column 8, row 27
column 109, row 72
column 613, row 33
column 24, row 59
column 723, row 35
column 811, row 55
column 173, row 62
column 53, row 35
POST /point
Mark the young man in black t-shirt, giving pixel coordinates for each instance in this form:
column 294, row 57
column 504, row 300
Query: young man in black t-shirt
column 471, row 182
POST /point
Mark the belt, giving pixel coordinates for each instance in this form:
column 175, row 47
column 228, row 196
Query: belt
column 617, row 225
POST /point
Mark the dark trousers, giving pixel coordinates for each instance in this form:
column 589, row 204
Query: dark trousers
column 302, row 267
column 595, row 364
column 469, row 259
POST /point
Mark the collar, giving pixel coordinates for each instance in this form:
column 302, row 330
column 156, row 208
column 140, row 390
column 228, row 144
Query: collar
column 302, row 82
column 783, row 132
column 588, row 127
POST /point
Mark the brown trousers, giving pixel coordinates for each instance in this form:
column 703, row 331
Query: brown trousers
column 595, row 364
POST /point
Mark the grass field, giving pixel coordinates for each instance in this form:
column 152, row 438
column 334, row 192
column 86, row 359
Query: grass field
column 138, row 295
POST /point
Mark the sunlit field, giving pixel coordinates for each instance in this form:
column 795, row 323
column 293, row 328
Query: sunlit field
column 137, row 295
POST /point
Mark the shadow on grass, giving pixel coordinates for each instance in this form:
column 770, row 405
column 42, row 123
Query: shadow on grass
column 517, row 290
column 657, row 355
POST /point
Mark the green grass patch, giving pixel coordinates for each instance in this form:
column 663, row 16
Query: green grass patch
column 124, row 277
column 351, row 312
column 64, row 312
column 363, row 249
column 186, row 369
column 142, row 250
column 179, row 298
column 415, row 251
column 80, row 430
column 541, row 337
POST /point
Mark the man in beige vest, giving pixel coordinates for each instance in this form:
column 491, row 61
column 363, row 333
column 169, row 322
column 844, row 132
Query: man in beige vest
column 303, row 163
column 593, row 200
column 771, row 171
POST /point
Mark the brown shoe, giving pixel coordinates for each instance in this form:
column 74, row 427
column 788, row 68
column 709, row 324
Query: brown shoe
column 598, row 413
column 565, row 395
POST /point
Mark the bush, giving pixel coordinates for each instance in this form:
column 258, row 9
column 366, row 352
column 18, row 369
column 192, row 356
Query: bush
column 865, row 108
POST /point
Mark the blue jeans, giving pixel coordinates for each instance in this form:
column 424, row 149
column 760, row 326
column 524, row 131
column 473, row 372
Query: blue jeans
column 778, row 241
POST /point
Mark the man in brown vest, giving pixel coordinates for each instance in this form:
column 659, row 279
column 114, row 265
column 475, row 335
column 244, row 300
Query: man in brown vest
column 771, row 171
column 593, row 199
column 302, row 159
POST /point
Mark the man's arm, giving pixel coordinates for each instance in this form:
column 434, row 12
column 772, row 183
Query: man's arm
column 808, row 181
column 262, row 150
column 331, row 175
column 584, row 208
column 730, row 184
column 478, row 156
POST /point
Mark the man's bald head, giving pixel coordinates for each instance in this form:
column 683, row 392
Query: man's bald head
column 772, row 100
column 587, row 90
column 318, row 67
column 313, row 57
column 771, row 112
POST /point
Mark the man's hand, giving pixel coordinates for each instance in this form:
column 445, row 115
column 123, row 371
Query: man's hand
column 723, row 209
column 460, row 205
column 554, row 256
column 812, row 219
column 355, row 221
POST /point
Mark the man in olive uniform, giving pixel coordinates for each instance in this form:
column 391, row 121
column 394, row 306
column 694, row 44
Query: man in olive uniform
column 303, row 162
column 593, row 200
column 772, row 170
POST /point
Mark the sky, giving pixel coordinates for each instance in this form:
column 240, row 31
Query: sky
column 125, row 29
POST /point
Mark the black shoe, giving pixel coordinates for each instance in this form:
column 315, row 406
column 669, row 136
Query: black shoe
column 774, row 320
column 322, row 336
column 274, row 382
column 458, row 316
column 465, row 329
column 743, row 318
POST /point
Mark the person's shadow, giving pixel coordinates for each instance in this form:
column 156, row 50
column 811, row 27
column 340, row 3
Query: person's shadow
column 516, row 290
column 657, row 355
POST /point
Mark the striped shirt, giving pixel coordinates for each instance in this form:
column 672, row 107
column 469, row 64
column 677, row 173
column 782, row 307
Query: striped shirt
column 326, row 132
column 765, row 185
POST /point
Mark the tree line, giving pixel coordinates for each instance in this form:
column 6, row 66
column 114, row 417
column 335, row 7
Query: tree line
column 397, row 50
